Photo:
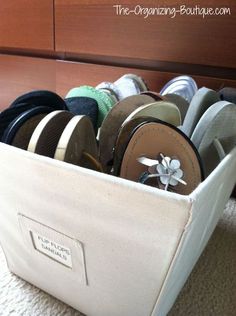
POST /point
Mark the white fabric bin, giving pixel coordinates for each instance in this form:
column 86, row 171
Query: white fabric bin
column 104, row 245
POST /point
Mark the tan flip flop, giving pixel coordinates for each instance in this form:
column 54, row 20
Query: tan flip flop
column 162, row 110
column 77, row 144
column 155, row 95
column 125, row 134
column 46, row 135
column 160, row 155
column 179, row 101
column 112, row 123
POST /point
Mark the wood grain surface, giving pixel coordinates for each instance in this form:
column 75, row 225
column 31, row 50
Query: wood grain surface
column 27, row 24
column 71, row 74
column 22, row 74
column 19, row 75
column 94, row 28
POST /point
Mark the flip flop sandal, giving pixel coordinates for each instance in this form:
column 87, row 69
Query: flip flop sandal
column 122, row 89
column 162, row 110
column 84, row 106
column 77, row 144
column 41, row 98
column 46, row 135
column 125, row 86
column 159, row 110
column 156, row 96
column 181, row 103
column 113, row 122
column 126, row 131
column 215, row 134
column 201, row 101
column 105, row 103
column 109, row 86
column 10, row 114
column 19, row 131
column 140, row 82
column 160, row 155
column 184, row 86
column 111, row 94
column 228, row 94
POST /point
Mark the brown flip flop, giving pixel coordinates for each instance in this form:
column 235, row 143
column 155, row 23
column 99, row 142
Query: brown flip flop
column 23, row 135
column 160, row 155
column 77, row 144
column 155, row 95
column 126, row 131
column 46, row 135
column 112, row 123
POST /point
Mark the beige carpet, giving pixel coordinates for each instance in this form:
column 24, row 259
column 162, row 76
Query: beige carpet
column 210, row 289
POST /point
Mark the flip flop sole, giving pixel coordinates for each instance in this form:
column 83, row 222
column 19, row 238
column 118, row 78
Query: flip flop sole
column 180, row 102
column 45, row 138
column 25, row 132
column 181, row 85
column 152, row 139
column 162, row 110
column 41, row 98
column 77, row 139
column 112, row 123
column 215, row 134
column 10, row 133
column 201, row 101
column 125, row 134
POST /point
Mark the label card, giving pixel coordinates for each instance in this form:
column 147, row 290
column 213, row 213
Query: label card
column 52, row 249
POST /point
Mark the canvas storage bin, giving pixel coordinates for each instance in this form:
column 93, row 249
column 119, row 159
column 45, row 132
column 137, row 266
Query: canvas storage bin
column 104, row 245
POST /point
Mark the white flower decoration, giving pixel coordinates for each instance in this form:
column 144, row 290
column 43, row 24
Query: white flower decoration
column 168, row 170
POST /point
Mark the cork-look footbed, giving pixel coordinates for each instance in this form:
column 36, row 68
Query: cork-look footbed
column 153, row 139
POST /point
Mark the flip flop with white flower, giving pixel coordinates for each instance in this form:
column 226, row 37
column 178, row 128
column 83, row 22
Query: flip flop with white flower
column 160, row 155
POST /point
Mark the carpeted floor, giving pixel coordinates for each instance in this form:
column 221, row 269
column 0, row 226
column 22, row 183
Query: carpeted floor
column 209, row 291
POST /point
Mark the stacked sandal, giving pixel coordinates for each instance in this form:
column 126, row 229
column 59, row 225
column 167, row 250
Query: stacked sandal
column 55, row 129
column 171, row 140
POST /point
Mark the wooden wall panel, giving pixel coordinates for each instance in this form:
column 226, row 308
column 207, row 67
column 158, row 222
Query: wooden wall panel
column 19, row 75
column 90, row 27
column 70, row 74
column 27, row 24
